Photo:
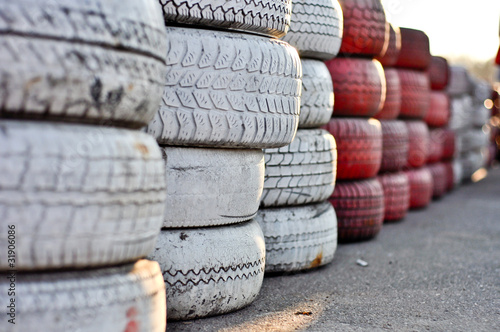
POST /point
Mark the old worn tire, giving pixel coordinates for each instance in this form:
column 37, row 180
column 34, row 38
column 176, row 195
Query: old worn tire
column 395, row 145
column 267, row 17
column 421, row 187
column 415, row 52
column 78, row 195
column 439, row 179
column 302, row 172
column 316, row 102
column 392, row 103
column 365, row 30
column 396, row 195
column 459, row 83
column 211, row 271
column 359, row 86
column 448, row 144
column 436, row 141
column 298, row 238
column 316, row 28
column 360, row 209
column 415, row 93
column 390, row 57
column 113, row 299
column 207, row 187
column 224, row 89
column 88, row 62
column 419, row 135
column 359, row 147
column 439, row 73
column 438, row 113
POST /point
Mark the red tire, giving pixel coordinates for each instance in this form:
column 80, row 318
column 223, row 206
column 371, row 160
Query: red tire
column 365, row 30
column 358, row 85
column 421, row 187
column 396, row 195
column 448, row 144
column 436, row 142
column 439, row 112
column 392, row 104
column 439, row 179
column 415, row 93
column 418, row 132
column 395, row 145
column 450, row 183
column 359, row 147
column 439, row 73
column 390, row 57
column 360, row 209
column 415, row 52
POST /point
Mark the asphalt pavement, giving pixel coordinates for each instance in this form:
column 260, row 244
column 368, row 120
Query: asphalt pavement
column 437, row 270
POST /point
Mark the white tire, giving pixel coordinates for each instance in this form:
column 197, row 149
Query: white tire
column 302, row 172
column 316, row 28
column 316, row 102
column 298, row 238
column 460, row 81
column 461, row 109
column 207, row 187
column 82, row 61
column 268, row 17
column 211, row 271
column 226, row 89
column 480, row 115
column 79, row 195
column 116, row 299
column 457, row 172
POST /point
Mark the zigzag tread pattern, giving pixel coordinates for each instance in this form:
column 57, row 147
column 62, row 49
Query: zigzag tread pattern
column 228, row 90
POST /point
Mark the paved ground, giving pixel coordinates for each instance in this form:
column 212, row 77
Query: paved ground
column 438, row 270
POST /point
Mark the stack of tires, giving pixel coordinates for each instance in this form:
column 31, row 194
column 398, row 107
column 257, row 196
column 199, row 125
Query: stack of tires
column 395, row 138
column 442, row 140
column 231, row 89
column 82, row 189
column 359, row 86
column 299, row 225
column 412, row 63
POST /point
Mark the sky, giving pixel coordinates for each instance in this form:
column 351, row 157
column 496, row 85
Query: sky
column 454, row 27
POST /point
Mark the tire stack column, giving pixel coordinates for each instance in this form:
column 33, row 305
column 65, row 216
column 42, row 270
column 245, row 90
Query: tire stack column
column 231, row 89
column 359, row 86
column 81, row 187
column 299, row 225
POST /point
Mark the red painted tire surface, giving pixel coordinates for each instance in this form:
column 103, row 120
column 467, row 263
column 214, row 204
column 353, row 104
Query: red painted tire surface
column 439, row 73
column 392, row 104
column 415, row 93
column 439, row 112
column 365, row 29
column 395, row 145
column 390, row 57
column 436, row 141
column 358, row 85
column 396, row 195
column 418, row 132
column 421, row 187
column 360, row 209
column 359, row 147
column 439, row 179
column 450, row 183
column 448, row 144
column 415, row 52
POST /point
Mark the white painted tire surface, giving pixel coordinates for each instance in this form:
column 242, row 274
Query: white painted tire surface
column 82, row 61
column 226, row 89
column 207, row 187
column 302, row 172
column 461, row 110
column 459, row 82
column 316, row 28
column 79, row 195
column 269, row 17
column 316, row 102
column 211, row 271
column 112, row 299
column 480, row 115
column 298, row 238
column 457, row 172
